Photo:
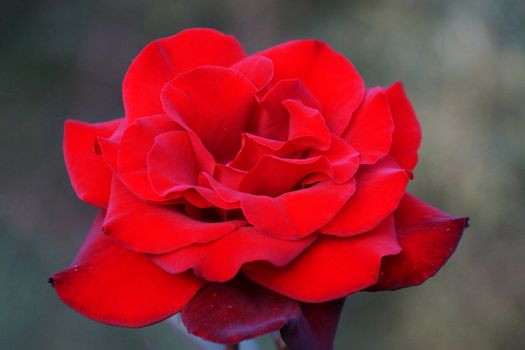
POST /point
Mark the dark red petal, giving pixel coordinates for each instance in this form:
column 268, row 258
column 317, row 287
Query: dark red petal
column 88, row 172
column 237, row 310
column 213, row 102
column 292, row 215
column 220, row 260
column 328, row 74
column 258, row 69
column 427, row 236
column 273, row 120
column 163, row 59
column 156, row 229
column 113, row 285
column 175, row 161
column 135, row 146
column 316, row 328
column 331, row 267
column 371, row 127
column 407, row 131
column 379, row 188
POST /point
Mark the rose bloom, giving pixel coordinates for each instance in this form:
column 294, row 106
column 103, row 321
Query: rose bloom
column 252, row 193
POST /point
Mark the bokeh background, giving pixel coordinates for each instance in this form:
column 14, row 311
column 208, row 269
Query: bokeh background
column 463, row 65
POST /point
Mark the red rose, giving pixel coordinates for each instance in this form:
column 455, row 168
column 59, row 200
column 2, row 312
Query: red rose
column 278, row 172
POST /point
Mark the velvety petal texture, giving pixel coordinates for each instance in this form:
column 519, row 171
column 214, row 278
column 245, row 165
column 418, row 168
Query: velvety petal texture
column 251, row 192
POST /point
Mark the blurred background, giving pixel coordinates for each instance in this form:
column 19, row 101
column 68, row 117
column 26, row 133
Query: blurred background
column 463, row 65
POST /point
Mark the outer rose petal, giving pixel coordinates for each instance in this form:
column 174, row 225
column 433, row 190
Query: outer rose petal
column 328, row 74
column 407, row 131
column 135, row 146
column 231, row 312
column 163, row 59
column 108, row 147
column 371, row 127
column 427, row 236
column 213, row 102
column 220, row 260
column 379, row 188
column 157, row 229
column 113, row 285
column 88, row 172
column 331, row 268
column 237, row 310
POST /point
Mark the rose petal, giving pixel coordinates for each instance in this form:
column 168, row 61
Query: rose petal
column 113, row 285
column 316, row 327
column 135, row 146
column 157, row 229
column 371, row 127
column 308, row 123
column 290, row 172
column 407, row 131
column 297, row 214
column 328, row 74
column 379, row 188
column 228, row 176
column 221, row 259
column 237, row 310
column 254, row 147
column 258, row 69
column 108, row 147
column 163, row 59
column 427, row 236
column 331, row 267
column 175, row 161
column 213, row 102
column 273, row 119
column 343, row 159
column 292, row 215
column 88, row 172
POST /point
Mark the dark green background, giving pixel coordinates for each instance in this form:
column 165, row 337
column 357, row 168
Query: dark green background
column 463, row 64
